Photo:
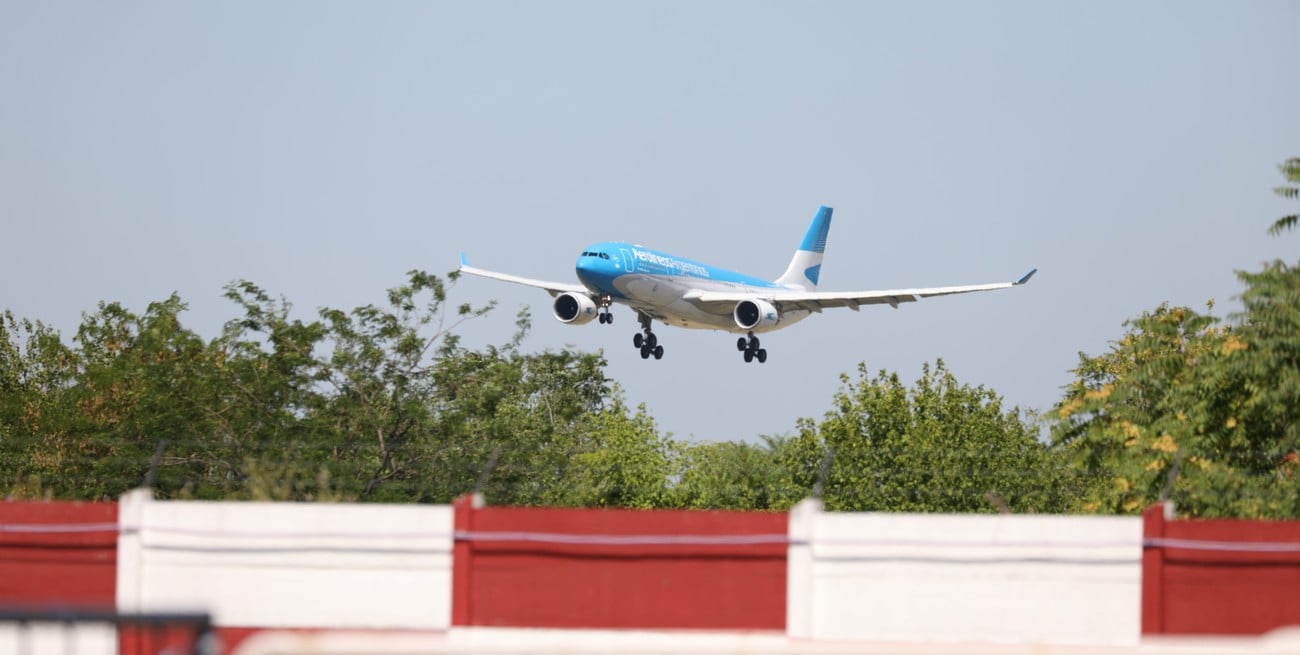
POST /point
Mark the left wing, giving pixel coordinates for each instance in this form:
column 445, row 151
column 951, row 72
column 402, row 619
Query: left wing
column 553, row 288
column 816, row 301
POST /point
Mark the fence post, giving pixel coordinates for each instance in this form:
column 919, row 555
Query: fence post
column 132, row 511
column 800, row 594
column 462, row 559
column 1153, row 570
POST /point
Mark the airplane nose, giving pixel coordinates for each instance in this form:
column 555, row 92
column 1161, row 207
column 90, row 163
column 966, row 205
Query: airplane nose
column 583, row 267
column 592, row 272
column 588, row 269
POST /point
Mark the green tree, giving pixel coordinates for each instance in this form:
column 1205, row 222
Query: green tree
column 939, row 446
column 372, row 418
column 1189, row 408
column 733, row 475
column 1194, row 409
column 267, row 374
column 90, row 417
column 395, row 410
column 378, row 403
column 620, row 460
column 1268, row 367
column 36, row 368
column 1291, row 171
column 1123, row 417
column 510, row 422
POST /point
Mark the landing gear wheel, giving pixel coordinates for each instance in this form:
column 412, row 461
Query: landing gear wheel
column 749, row 346
column 646, row 339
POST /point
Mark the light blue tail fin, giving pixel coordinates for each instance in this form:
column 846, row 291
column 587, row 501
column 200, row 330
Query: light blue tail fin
column 806, row 265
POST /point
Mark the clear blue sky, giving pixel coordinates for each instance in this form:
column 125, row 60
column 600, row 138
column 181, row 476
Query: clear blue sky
column 322, row 149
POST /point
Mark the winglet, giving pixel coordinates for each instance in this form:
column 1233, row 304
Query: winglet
column 1026, row 277
column 464, row 261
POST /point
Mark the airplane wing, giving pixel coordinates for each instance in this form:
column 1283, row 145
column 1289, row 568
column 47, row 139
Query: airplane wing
column 553, row 288
column 816, row 301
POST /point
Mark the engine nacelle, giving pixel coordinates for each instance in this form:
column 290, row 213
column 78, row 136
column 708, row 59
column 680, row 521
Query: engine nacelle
column 574, row 308
column 755, row 314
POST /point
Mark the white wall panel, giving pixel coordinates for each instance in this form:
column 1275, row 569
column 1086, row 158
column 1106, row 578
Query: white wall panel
column 252, row 564
column 963, row 578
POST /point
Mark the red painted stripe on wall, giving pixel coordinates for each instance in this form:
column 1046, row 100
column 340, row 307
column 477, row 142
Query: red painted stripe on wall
column 72, row 562
column 558, row 584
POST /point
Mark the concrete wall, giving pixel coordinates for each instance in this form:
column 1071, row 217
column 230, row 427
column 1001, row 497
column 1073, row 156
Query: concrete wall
column 593, row 568
column 964, row 578
column 1215, row 577
column 849, row 577
column 57, row 555
column 262, row 565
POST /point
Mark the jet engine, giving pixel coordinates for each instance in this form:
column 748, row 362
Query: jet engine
column 574, row 308
column 756, row 314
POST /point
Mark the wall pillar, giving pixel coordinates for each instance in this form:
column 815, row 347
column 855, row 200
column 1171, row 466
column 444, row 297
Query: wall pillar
column 1153, row 570
column 462, row 558
column 799, row 596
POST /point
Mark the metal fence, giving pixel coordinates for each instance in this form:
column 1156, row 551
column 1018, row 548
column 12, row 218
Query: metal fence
column 81, row 631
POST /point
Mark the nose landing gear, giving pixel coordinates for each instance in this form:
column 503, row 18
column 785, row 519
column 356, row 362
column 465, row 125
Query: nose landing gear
column 749, row 346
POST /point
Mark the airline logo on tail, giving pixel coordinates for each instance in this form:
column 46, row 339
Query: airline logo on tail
column 806, row 265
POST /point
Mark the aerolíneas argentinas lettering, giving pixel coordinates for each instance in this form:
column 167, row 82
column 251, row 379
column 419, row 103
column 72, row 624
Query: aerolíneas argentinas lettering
column 670, row 263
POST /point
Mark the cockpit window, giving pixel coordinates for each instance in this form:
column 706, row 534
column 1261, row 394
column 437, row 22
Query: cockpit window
column 592, row 253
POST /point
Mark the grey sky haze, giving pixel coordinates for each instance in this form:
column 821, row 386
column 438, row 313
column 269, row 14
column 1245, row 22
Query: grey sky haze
column 323, row 149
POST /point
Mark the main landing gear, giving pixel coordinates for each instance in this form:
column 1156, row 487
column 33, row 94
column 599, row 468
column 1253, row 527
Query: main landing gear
column 646, row 340
column 749, row 346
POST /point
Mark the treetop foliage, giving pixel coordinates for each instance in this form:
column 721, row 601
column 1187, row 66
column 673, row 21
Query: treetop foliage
column 382, row 403
column 938, row 446
column 1291, row 191
column 1195, row 409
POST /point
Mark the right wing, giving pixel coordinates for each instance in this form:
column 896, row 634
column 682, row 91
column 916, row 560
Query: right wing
column 553, row 288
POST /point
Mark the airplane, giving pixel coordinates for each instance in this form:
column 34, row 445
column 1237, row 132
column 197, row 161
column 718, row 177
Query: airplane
column 684, row 293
